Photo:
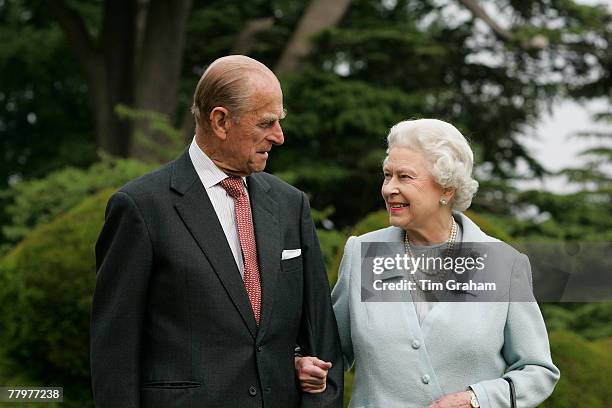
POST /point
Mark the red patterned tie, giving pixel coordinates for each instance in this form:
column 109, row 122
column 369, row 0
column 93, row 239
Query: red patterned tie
column 244, row 222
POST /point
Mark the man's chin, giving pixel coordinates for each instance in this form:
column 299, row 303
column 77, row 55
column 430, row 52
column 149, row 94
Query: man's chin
column 259, row 167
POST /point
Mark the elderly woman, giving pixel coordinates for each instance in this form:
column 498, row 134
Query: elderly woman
column 423, row 353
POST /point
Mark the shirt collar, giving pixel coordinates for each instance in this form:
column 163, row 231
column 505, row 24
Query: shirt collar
column 207, row 170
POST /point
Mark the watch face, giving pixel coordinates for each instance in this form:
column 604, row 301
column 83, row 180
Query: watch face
column 473, row 400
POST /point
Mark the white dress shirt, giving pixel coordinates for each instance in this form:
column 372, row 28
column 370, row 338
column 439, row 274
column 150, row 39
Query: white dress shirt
column 223, row 203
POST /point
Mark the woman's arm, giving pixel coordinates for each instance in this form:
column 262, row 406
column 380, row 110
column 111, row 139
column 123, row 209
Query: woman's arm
column 340, row 301
column 526, row 351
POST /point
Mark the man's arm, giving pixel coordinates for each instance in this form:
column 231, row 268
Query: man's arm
column 123, row 263
column 310, row 375
column 319, row 332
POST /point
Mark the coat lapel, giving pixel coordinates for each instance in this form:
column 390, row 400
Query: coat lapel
column 198, row 214
column 267, row 235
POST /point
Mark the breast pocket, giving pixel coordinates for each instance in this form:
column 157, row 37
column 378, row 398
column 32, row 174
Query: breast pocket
column 292, row 265
column 289, row 291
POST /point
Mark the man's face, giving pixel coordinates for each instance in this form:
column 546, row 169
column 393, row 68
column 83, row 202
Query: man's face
column 249, row 141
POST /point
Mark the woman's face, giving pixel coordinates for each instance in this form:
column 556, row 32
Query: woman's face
column 411, row 195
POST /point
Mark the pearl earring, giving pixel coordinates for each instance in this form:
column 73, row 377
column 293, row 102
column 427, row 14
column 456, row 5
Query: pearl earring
column 443, row 201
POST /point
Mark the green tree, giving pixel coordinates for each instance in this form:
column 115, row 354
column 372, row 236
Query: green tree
column 35, row 202
column 390, row 61
column 138, row 45
column 48, row 280
column 582, row 214
column 42, row 123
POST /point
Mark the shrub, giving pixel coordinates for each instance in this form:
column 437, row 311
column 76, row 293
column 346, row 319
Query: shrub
column 583, row 365
column 46, row 282
column 35, row 202
column 590, row 320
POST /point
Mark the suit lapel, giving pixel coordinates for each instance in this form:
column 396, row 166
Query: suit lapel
column 198, row 214
column 267, row 235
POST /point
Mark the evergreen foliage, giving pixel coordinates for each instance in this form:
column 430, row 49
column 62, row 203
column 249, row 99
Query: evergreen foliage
column 583, row 366
column 48, row 280
column 589, row 320
column 35, row 202
column 43, row 122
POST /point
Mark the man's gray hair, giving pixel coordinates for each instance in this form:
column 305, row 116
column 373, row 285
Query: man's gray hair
column 228, row 82
column 446, row 149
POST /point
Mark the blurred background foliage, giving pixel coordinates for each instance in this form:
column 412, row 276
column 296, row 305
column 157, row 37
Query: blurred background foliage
column 95, row 93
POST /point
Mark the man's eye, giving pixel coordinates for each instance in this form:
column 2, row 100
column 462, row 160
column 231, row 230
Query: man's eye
column 406, row 176
column 267, row 124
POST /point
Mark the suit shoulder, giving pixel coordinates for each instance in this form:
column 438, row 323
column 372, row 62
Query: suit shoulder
column 278, row 185
column 149, row 184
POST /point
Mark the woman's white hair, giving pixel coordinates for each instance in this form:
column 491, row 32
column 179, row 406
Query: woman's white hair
column 446, row 149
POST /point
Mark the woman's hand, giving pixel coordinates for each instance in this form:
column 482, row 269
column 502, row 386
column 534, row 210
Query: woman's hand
column 312, row 373
column 456, row 400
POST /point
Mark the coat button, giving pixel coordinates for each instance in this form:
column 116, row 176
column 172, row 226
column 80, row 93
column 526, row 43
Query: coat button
column 416, row 344
column 252, row 391
column 425, row 379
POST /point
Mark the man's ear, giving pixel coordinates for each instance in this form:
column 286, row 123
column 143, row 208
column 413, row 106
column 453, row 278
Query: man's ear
column 219, row 122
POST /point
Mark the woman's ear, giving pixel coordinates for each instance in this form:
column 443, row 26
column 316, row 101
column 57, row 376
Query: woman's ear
column 448, row 193
column 219, row 122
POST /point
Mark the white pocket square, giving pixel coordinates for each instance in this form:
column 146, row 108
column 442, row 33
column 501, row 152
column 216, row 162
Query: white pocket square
column 291, row 253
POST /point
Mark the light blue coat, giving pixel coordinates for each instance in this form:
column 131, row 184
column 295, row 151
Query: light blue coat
column 399, row 363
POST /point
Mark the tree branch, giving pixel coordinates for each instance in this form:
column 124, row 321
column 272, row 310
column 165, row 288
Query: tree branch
column 480, row 13
column 319, row 15
column 78, row 37
column 246, row 38
column 537, row 42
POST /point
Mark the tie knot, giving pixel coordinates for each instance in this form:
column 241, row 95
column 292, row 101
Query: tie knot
column 234, row 186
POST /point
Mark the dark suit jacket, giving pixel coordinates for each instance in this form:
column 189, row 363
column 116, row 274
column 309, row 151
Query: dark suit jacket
column 172, row 325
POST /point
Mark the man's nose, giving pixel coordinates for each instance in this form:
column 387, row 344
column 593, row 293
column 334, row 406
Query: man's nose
column 276, row 135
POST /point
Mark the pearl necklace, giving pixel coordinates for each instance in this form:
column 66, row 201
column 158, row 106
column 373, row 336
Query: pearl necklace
column 449, row 250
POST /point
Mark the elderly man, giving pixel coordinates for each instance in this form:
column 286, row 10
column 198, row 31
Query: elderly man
column 209, row 272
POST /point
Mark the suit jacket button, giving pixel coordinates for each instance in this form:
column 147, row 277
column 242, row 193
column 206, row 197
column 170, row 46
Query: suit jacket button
column 259, row 348
column 252, row 391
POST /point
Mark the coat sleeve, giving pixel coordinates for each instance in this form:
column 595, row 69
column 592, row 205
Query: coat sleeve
column 123, row 262
column 318, row 332
column 340, row 301
column 526, row 351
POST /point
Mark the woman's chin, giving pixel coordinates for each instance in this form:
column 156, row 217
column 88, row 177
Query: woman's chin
column 396, row 221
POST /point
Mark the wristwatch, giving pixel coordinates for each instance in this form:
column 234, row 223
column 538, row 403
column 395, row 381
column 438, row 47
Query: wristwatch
column 473, row 400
